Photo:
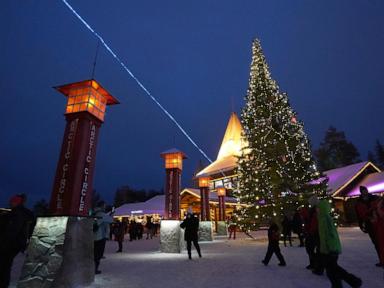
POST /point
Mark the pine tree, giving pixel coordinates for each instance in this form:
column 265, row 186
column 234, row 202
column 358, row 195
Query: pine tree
column 336, row 151
column 379, row 149
column 277, row 164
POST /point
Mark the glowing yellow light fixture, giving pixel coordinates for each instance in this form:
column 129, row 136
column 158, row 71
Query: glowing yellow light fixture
column 87, row 96
column 173, row 159
column 221, row 191
column 204, row 182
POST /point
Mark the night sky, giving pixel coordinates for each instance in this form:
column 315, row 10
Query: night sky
column 194, row 56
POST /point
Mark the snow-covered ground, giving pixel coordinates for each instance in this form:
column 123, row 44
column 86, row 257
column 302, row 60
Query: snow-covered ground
column 227, row 263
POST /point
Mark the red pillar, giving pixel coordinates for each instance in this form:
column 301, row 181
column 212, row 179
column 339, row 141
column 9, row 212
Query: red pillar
column 204, row 204
column 172, row 194
column 173, row 167
column 221, row 208
column 72, row 189
column 221, row 194
column 73, row 184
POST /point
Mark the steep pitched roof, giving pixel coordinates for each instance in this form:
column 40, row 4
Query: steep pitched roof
column 230, row 148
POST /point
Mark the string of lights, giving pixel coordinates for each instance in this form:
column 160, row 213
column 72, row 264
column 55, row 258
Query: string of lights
column 117, row 58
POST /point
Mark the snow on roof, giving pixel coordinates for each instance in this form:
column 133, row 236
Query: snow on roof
column 374, row 183
column 174, row 151
column 220, row 165
column 230, row 148
column 339, row 178
column 212, row 195
column 155, row 205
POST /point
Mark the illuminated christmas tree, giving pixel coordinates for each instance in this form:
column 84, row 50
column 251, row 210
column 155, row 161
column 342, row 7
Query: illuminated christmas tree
column 277, row 165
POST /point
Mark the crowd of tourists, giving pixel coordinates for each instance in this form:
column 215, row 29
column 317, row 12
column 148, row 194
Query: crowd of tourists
column 317, row 232
column 314, row 227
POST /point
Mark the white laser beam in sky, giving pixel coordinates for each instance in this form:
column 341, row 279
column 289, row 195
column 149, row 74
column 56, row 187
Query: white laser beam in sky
column 109, row 49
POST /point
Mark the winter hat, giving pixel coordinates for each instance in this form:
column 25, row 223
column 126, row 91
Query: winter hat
column 16, row 200
column 189, row 211
column 313, row 200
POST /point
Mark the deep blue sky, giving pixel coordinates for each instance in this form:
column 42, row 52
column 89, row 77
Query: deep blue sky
column 194, row 56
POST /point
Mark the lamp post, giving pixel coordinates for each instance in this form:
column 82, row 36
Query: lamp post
column 221, row 226
column 205, row 227
column 221, row 195
column 173, row 162
column 84, row 113
column 67, row 258
column 171, row 240
column 204, row 199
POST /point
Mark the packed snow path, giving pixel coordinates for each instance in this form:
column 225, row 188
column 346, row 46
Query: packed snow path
column 228, row 263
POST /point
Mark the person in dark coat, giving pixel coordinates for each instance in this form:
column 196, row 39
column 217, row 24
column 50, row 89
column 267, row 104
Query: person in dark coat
column 287, row 230
column 191, row 226
column 297, row 227
column 364, row 211
column 132, row 230
column 118, row 232
column 273, row 245
column 149, row 227
column 312, row 238
column 18, row 229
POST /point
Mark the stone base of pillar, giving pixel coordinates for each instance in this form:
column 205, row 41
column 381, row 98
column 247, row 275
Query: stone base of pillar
column 171, row 236
column 60, row 254
column 222, row 228
column 205, row 231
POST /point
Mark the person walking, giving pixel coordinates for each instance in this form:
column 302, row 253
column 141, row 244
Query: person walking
column 100, row 232
column 330, row 248
column 118, row 231
column 273, row 245
column 18, row 227
column 364, row 212
column 191, row 226
column 287, row 230
column 312, row 239
column 232, row 227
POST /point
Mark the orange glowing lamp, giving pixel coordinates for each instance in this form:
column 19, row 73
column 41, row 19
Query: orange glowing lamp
column 173, row 159
column 204, row 182
column 87, row 96
column 221, row 191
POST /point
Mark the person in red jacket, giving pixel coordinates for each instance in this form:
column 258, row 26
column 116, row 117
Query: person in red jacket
column 312, row 239
column 378, row 226
column 364, row 211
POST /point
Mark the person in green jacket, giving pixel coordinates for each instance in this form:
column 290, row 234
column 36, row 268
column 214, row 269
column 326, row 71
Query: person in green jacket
column 330, row 248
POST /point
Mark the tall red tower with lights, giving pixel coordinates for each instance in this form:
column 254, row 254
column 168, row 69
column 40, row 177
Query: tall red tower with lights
column 85, row 111
column 173, row 159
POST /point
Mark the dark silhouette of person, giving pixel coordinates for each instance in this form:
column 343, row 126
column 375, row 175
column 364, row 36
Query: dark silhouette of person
column 150, row 227
column 273, row 245
column 118, row 232
column 365, row 206
column 191, row 226
column 287, row 230
column 312, row 238
column 100, row 232
column 330, row 248
column 18, row 229
column 297, row 227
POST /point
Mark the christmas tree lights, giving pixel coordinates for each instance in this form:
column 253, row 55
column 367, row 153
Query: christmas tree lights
column 276, row 167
